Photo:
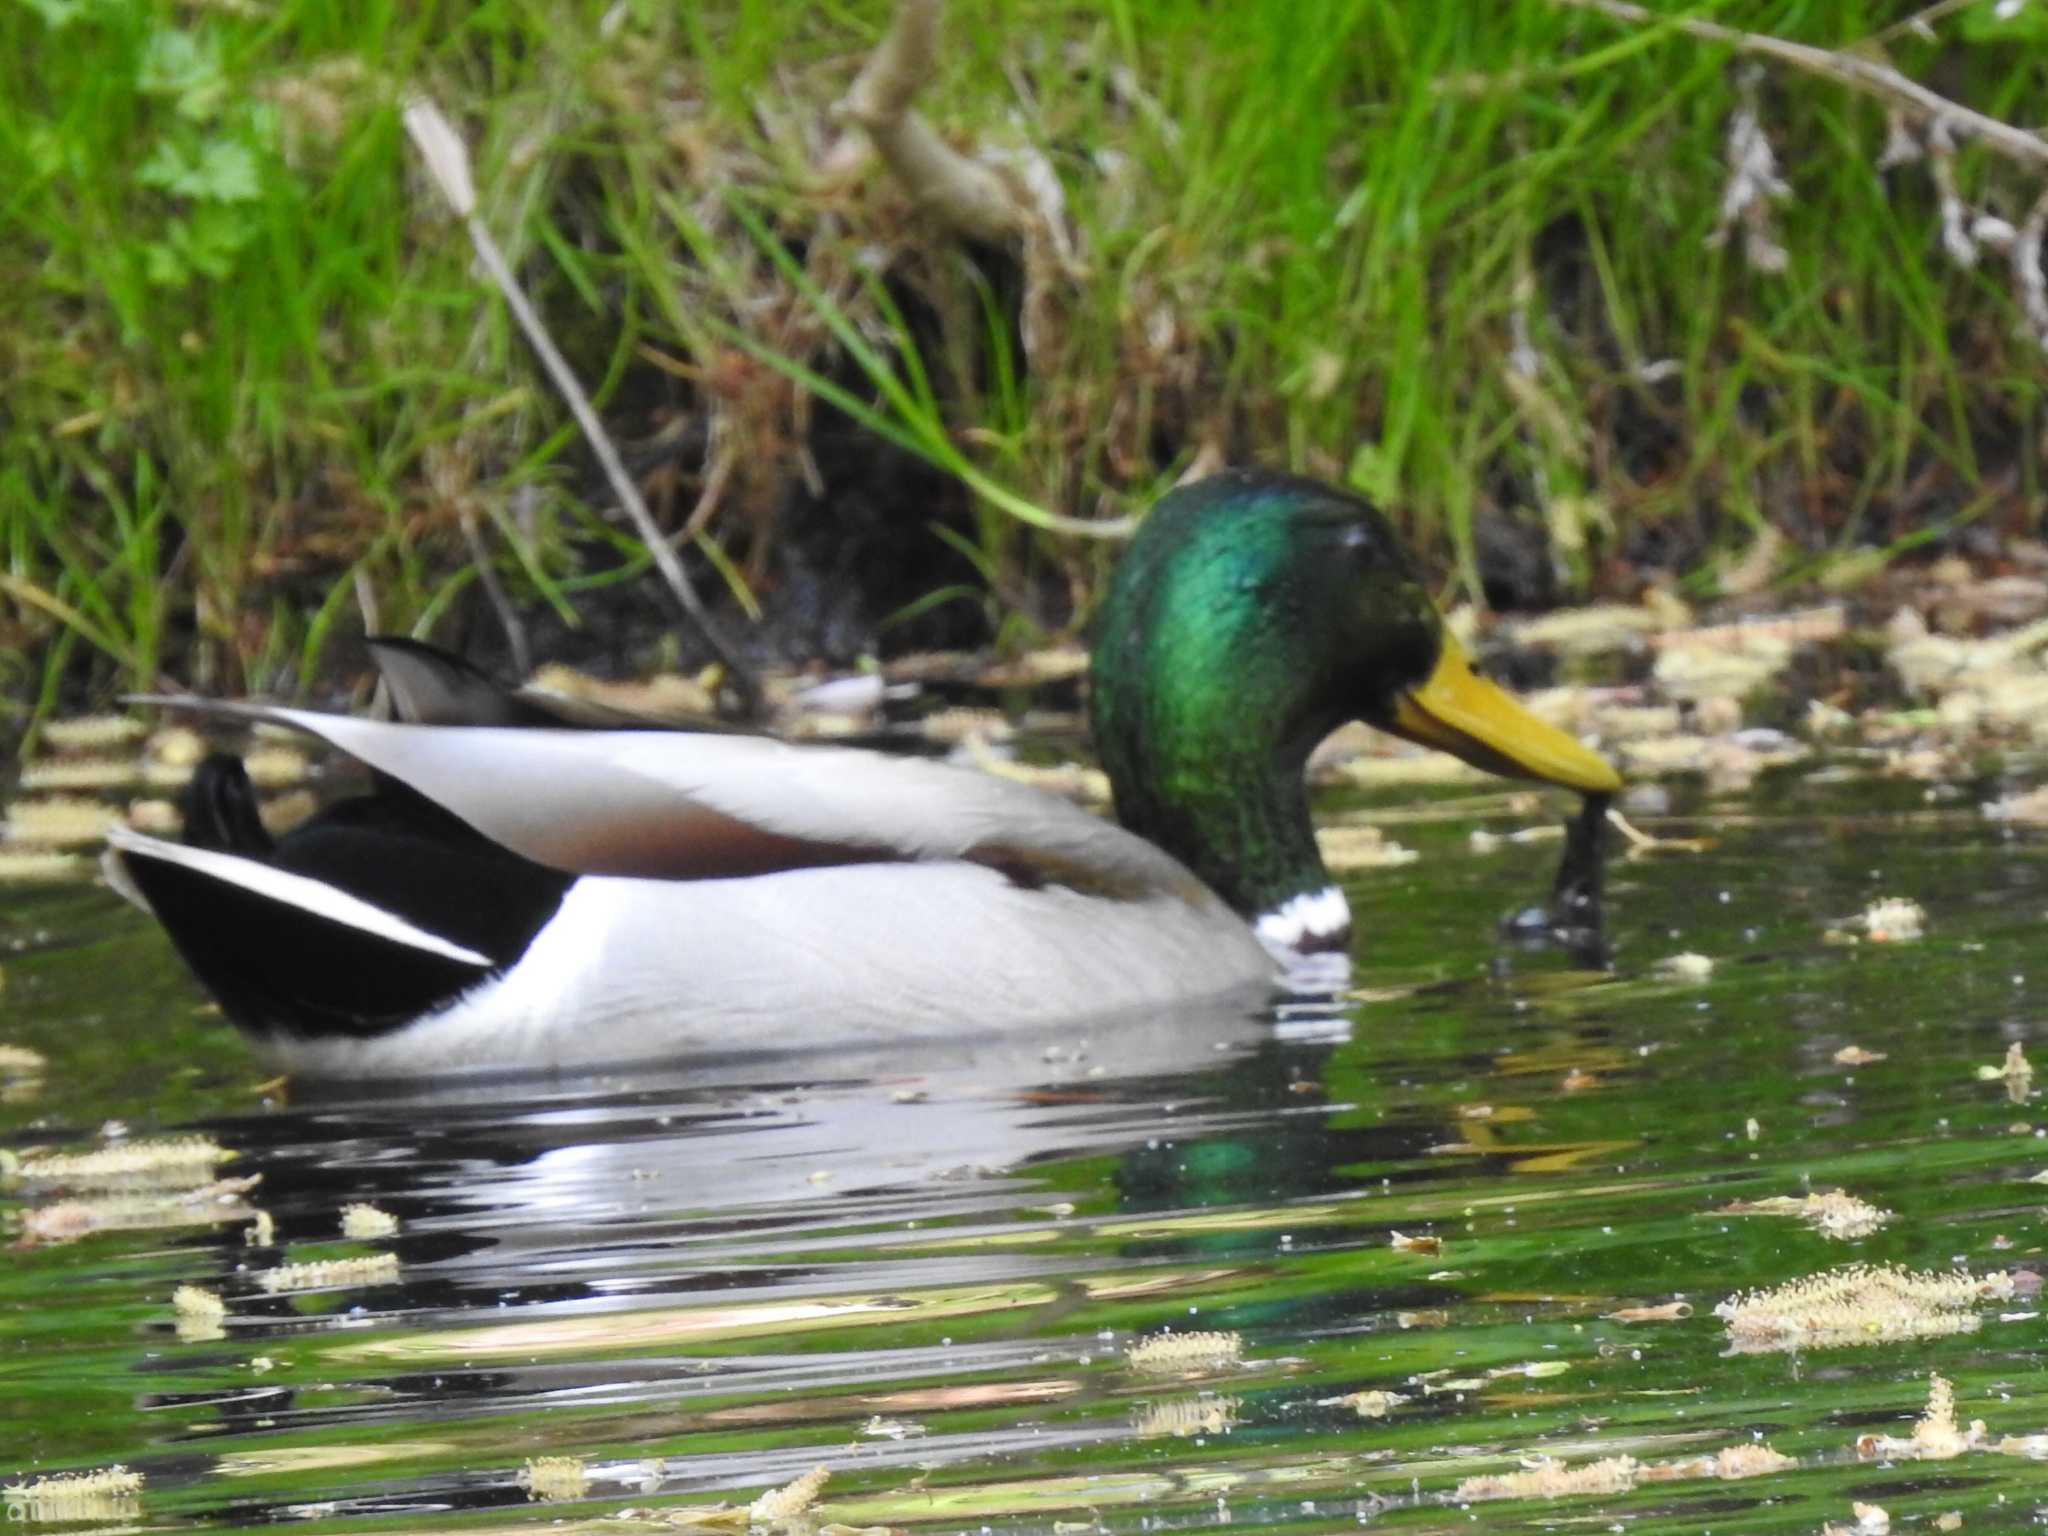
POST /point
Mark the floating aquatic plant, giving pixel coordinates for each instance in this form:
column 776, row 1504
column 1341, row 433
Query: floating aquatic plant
column 1371, row 1404
column 1935, row 1437
column 550, row 1478
column 1552, row 1480
column 65, row 1221
column 104, row 1495
column 1186, row 1418
column 327, row 1274
column 1859, row 1304
column 1836, row 1213
column 165, row 1160
column 196, row 1301
column 1894, row 920
column 92, row 733
column 791, row 1502
column 366, row 1221
column 1185, row 1354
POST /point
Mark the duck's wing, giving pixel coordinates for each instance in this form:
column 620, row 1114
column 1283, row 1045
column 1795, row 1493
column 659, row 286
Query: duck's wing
column 680, row 805
column 430, row 686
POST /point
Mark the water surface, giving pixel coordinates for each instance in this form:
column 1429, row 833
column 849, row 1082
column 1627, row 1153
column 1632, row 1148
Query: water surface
column 928, row 1275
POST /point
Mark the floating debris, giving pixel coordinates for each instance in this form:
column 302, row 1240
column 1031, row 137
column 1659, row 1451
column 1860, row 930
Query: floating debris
column 1685, row 966
column 1186, row 1418
column 1894, row 920
column 1075, row 781
column 550, row 1478
column 1695, row 674
column 2016, row 1070
column 961, row 726
column 176, row 746
column 1185, row 1354
column 1529, row 1370
column 59, row 821
column 1427, row 1242
column 65, row 1221
column 366, row 1221
column 1629, row 722
column 93, row 733
column 879, row 1428
column 2027, row 810
column 159, row 818
column 1408, row 768
column 1859, row 1304
column 328, row 1274
column 1483, row 841
column 20, row 1061
column 1368, row 1405
column 848, row 697
column 161, row 1161
column 1552, row 1480
column 1730, row 762
column 1856, row 1056
column 20, row 866
column 1052, row 665
column 1588, row 631
column 274, row 767
column 1730, row 1464
column 1764, row 636
column 1664, row 1312
column 1935, row 1437
column 59, row 773
column 107, row 1494
column 1871, row 1520
column 1353, row 848
column 198, row 1302
column 1641, row 842
column 262, row 1231
column 791, row 1502
column 671, row 699
column 1734, row 1462
column 1837, row 1213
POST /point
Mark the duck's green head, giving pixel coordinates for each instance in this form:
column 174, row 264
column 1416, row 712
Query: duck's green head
column 1253, row 614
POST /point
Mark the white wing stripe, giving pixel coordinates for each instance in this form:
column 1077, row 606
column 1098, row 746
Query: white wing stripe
column 300, row 891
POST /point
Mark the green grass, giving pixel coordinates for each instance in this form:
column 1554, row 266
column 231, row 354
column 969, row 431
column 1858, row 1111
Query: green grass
column 248, row 362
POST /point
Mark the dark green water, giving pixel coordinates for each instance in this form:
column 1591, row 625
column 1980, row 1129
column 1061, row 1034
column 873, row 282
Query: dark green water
column 926, row 1275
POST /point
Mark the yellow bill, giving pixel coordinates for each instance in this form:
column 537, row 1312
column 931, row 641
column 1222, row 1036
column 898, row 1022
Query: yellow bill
column 1457, row 711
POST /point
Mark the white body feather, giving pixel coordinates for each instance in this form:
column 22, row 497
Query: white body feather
column 876, row 953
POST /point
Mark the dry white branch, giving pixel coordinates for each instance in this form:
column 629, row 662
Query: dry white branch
column 968, row 196
column 2028, row 283
column 1753, row 185
column 1901, row 144
column 1955, row 218
column 1856, row 72
column 447, row 159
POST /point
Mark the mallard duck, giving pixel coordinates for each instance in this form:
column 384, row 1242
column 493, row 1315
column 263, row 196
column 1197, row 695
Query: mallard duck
column 514, row 896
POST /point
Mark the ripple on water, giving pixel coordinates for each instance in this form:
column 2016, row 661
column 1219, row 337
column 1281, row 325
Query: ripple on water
column 1458, row 1241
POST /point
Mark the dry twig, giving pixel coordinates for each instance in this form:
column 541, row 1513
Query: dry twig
column 447, row 161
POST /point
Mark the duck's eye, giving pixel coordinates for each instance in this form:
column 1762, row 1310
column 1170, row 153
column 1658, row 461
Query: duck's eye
column 1356, row 540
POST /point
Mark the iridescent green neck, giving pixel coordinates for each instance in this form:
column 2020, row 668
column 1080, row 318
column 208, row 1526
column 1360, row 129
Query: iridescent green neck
column 1252, row 614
